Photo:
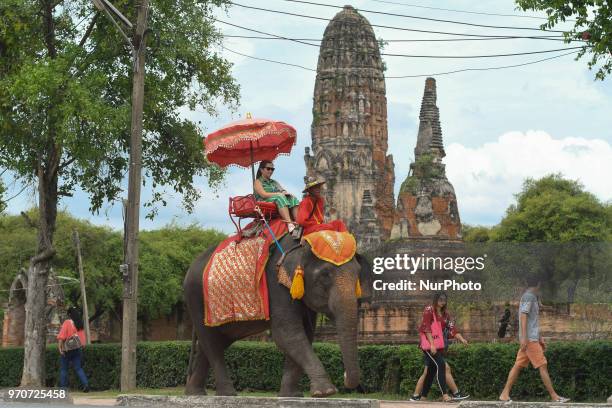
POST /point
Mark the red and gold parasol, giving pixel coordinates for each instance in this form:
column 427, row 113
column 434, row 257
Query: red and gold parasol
column 248, row 141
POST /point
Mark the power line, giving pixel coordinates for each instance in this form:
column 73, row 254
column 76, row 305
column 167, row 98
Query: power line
column 268, row 60
column 461, row 11
column 482, row 69
column 424, row 18
column 407, row 55
column 254, row 37
column 374, row 25
column 480, row 56
column 411, row 76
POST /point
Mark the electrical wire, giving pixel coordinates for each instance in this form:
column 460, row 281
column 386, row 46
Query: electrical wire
column 461, row 11
column 424, row 18
column 481, row 69
column 268, row 60
column 408, row 55
column 254, row 37
column 480, row 56
column 411, row 76
column 374, row 25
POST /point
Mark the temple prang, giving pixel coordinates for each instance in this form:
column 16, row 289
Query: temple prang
column 427, row 204
column 349, row 129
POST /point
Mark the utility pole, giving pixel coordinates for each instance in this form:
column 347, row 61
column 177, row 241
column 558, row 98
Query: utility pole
column 77, row 244
column 130, row 291
column 129, row 269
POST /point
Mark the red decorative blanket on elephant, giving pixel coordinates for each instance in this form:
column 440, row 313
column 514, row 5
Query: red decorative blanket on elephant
column 234, row 278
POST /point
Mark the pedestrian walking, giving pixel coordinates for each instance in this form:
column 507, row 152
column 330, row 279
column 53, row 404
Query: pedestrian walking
column 71, row 341
column 532, row 344
column 436, row 329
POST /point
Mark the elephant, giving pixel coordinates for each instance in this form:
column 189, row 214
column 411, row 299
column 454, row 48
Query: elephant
column 328, row 289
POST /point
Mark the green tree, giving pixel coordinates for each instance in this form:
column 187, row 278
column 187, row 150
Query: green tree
column 568, row 230
column 65, row 81
column 476, row 233
column 2, row 198
column 592, row 26
column 554, row 209
column 165, row 256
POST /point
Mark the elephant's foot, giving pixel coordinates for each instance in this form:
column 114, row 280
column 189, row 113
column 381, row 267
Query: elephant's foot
column 291, row 394
column 195, row 391
column 322, row 389
column 226, row 391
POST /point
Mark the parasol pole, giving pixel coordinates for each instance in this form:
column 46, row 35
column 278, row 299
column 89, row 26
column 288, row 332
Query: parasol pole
column 248, row 116
column 252, row 167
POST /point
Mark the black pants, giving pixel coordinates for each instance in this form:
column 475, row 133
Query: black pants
column 436, row 368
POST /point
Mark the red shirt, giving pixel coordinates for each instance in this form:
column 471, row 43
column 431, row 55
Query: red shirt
column 445, row 319
column 315, row 222
column 68, row 330
column 306, row 208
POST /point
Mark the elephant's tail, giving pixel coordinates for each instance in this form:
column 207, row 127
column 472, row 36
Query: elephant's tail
column 192, row 352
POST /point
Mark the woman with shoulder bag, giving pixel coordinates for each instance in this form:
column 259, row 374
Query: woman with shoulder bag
column 435, row 331
column 71, row 341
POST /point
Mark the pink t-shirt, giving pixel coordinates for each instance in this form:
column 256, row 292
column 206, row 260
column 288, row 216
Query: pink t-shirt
column 68, row 330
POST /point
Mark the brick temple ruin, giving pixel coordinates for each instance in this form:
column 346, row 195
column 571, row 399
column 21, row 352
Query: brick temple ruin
column 14, row 311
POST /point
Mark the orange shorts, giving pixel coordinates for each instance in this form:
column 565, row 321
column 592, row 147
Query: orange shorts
column 533, row 354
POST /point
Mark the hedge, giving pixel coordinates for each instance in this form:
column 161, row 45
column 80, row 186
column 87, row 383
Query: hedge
column 580, row 370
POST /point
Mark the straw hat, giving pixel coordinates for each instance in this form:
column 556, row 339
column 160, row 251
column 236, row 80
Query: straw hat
column 312, row 182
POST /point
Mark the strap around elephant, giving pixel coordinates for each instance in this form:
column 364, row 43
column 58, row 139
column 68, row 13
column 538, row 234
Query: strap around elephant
column 284, row 255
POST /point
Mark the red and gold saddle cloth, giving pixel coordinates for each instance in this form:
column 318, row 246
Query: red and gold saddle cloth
column 234, row 281
column 332, row 246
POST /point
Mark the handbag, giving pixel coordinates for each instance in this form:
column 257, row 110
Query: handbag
column 73, row 342
column 436, row 334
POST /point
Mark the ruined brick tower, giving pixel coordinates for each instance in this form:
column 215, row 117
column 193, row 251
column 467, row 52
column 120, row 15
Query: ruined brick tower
column 427, row 205
column 349, row 129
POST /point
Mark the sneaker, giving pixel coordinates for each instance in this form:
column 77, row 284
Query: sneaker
column 86, row 388
column 458, row 396
column 415, row 398
column 561, row 400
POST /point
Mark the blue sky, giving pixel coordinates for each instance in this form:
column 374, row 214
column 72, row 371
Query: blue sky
column 499, row 126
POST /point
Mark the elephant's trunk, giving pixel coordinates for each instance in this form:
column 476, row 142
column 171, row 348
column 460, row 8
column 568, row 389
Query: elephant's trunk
column 345, row 310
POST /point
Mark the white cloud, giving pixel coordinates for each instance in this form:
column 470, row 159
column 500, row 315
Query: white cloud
column 486, row 177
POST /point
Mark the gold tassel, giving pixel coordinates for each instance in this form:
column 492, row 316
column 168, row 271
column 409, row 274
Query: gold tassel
column 297, row 286
column 358, row 289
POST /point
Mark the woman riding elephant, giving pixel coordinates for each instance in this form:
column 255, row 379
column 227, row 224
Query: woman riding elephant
column 327, row 288
column 267, row 189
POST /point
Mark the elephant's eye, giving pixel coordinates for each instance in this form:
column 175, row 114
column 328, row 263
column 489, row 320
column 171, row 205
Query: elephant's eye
column 323, row 277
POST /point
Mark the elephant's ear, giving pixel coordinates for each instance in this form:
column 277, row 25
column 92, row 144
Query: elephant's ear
column 365, row 278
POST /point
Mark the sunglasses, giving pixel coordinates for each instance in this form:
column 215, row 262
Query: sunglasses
column 269, row 168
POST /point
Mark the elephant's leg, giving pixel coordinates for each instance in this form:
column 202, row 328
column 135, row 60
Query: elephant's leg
column 310, row 323
column 290, row 383
column 290, row 336
column 292, row 372
column 213, row 346
column 196, row 383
